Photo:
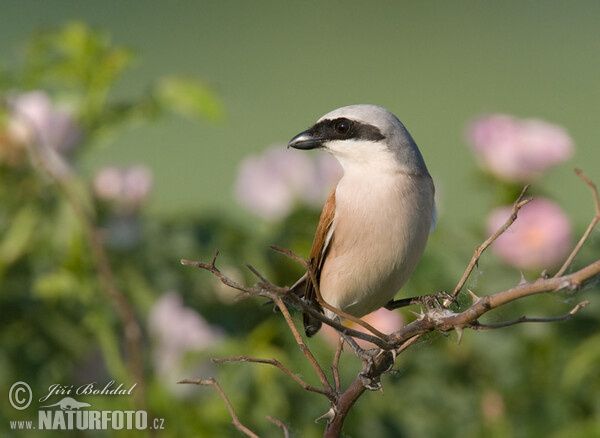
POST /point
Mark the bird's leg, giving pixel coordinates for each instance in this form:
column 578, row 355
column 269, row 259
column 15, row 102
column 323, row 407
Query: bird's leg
column 429, row 301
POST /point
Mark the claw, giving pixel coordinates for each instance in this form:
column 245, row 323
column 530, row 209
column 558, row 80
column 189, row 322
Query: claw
column 433, row 301
column 371, row 383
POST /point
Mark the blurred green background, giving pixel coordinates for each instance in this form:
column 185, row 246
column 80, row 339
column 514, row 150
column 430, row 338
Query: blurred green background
column 278, row 66
column 275, row 67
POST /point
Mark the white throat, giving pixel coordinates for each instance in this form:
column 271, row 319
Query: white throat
column 365, row 157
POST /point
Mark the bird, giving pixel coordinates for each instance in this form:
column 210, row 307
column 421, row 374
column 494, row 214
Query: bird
column 375, row 224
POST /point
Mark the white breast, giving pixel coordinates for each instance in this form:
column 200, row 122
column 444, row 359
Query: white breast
column 381, row 226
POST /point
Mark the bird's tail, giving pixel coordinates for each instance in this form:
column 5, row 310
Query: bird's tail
column 311, row 324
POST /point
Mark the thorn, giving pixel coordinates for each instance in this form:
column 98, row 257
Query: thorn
column 329, row 415
column 420, row 316
column 214, row 258
column 474, row 297
column 459, row 333
column 565, row 284
column 523, row 280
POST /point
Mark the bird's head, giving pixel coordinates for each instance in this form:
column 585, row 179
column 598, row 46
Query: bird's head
column 363, row 136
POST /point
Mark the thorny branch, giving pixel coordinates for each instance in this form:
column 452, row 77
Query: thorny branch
column 380, row 360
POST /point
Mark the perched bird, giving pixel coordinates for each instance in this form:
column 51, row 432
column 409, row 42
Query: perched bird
column 375, row 224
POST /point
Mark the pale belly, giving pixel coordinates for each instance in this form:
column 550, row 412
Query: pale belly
column 378, row 242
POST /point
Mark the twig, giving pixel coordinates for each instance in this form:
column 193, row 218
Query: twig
column 590, row 227
column 518, row 204
column 305, row 350
column 275, row 363
column 236, row 421
column 523, row 319
column 281, row 425
column 262, row 278
column 210, row 267
column 407, row 344
column 335, row 366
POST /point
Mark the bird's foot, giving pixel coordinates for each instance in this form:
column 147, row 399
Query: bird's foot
column 438, row 300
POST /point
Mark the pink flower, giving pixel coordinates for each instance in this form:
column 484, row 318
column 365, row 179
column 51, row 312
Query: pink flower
column 540, row 237
column 125, row 187
column 35, row 119
column 270, row 185
column 177, row 330
column 518, row 150
column 386, row 321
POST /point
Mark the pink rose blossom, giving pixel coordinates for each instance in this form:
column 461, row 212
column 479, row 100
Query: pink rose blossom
column 177, row 330
column 540, row 238
column 518, row 150
column 125, row 187
column 271, row 184
column 35, row 119
column 386, row 321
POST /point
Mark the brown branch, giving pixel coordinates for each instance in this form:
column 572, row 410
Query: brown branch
column 350, row 396
column 518, row 204
column 445, row 320
column 276, row 364
column 236, row 421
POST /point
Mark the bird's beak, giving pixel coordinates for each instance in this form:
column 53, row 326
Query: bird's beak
column 306, row 140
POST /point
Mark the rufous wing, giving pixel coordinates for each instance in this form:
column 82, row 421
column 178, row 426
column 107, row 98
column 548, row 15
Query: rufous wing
column 318, row 253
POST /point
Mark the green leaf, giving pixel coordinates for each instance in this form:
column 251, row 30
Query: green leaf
column 583, row 363
column 17, row 238
column 188, row 97
column 57, row 284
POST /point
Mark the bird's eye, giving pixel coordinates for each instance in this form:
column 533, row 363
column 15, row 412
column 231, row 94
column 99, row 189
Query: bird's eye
column 342, row 126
